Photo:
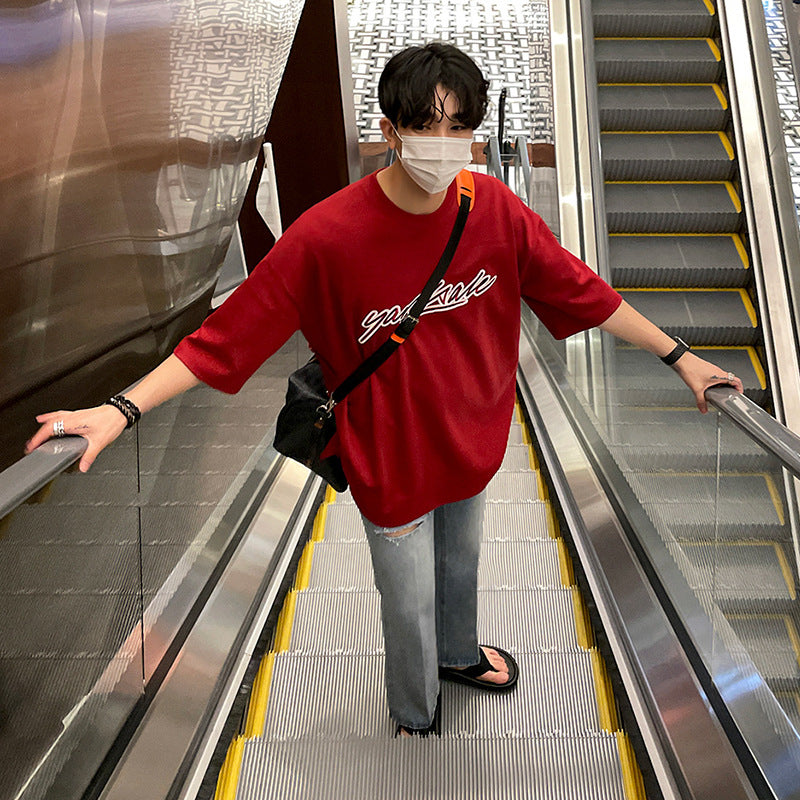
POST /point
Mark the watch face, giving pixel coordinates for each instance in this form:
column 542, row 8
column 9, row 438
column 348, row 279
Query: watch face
column 680, row 341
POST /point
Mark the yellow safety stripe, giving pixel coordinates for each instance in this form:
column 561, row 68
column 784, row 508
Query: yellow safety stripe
column 565, row 564
column 318, row 531
column 605, row 694
column 785, row 569
column 632, row 780
column 712, row 45
column 583, row 627
column 710, row 6
column 259, row 698
column 228, row 780
column 791, row 632
column 283, row 628
column 726, row 143
column 775, row 496
column 304, row 567
column 748, row 305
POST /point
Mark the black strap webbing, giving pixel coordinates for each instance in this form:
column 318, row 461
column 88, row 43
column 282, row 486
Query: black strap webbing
column 409, row 322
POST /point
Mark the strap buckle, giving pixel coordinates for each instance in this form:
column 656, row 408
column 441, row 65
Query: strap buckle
column 407, row 324
column 325, row 410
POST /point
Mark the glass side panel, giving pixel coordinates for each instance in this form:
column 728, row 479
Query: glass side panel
column 709, row 506
column 70, row 606
column 201, row 456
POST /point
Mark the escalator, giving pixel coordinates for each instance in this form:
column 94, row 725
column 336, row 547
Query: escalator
column 678, row 250
column 317, row 725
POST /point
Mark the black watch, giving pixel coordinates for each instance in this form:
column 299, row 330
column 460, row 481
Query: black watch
column 680, row 348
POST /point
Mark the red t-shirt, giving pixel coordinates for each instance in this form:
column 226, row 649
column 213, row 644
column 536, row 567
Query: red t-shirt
column 431, row 425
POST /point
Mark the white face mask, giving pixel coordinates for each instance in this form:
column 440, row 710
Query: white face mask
column 433, row 162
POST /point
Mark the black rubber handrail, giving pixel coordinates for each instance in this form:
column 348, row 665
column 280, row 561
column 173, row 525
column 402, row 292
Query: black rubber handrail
column 758, row 425
column 33, row 472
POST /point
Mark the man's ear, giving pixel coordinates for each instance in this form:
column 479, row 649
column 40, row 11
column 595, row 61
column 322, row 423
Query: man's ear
column 388, row 131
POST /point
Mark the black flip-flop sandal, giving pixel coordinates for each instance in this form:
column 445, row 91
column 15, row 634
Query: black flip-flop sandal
column 471, row 675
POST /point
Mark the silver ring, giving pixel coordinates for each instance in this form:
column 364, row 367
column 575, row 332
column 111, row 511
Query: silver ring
column 731, row 376
column 58, row 428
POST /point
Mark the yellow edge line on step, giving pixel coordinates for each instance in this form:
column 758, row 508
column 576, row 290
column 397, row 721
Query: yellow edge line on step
column 283, row 630
column 318, row 531
column 583, row 628
column 785, row 569
column 304, row 567
column 605, row 695
column 775, row 495
column 228, row 780
column 791, row 632
column 564, row 564
column 748, row 306
column 726, row 143
column 259, row 698
column 632, row 780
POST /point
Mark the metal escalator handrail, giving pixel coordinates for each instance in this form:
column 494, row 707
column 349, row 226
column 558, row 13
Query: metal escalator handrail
column 758, row 425
column 33, row 472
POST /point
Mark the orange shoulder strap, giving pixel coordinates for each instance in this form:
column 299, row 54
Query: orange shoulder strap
column 465, row 186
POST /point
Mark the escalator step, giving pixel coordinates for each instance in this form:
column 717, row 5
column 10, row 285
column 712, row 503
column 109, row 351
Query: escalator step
column 527, row 564
column 678, row 260
column 558, row 767
column 714, row 317
column 771, row 640
column 743, row 576
column 688, row 445
column 653, row 18
column 527, row 621
column 662, row 107
column 641, row 380
column 694, row 506
column 667, row 156
column 657, row 61
column 339, row 697
column 672, row 207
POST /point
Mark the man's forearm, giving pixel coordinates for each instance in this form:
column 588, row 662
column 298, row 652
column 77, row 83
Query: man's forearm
column 168, row 379
column 630, row 325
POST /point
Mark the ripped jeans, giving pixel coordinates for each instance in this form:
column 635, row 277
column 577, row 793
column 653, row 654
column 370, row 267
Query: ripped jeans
column 427, row 574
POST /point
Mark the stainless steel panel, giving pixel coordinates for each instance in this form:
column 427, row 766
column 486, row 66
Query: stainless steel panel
column 129, row 133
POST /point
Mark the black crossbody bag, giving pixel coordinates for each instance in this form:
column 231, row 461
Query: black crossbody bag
column 306, row 422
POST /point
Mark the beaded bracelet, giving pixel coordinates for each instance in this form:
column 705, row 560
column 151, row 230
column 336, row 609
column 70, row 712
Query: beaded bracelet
column 128, row 409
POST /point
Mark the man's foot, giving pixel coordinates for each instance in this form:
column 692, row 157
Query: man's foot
column 496, row 671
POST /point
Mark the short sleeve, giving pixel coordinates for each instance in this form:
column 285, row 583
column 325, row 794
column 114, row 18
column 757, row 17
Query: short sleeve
column 566, row 295
column 254, row 322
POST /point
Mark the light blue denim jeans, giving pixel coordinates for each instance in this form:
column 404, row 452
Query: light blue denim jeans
column 427, row 574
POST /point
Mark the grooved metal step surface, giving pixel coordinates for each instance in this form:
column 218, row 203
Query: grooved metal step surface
column 744, row 576
column 672, row 207
column 666, row 157
column 504, row 565
column 348, row 623
column 340, row 697
column 650, row 60
column 773, row 642
column 652, row 18
column 558, row 768
column 662, row 107
column 678, row 260
column 507, row 520
column 640, row 379
column 695, row 505
column 714, row 317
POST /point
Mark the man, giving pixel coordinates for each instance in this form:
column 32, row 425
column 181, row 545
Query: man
column 422, row 437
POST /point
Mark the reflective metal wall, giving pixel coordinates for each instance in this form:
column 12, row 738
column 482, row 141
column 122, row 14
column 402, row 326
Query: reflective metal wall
column 129, row 129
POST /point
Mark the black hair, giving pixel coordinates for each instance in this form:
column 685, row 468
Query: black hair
column 407, row 87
